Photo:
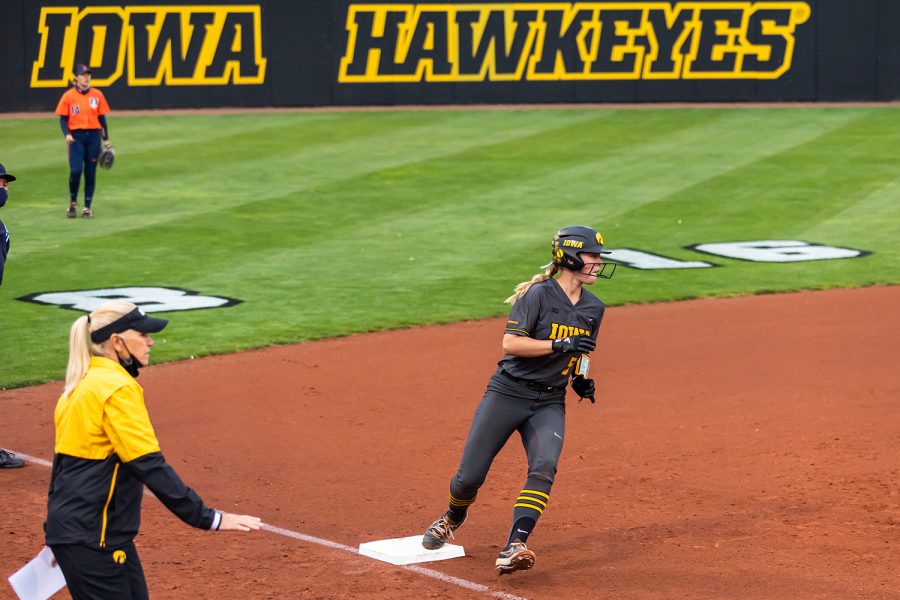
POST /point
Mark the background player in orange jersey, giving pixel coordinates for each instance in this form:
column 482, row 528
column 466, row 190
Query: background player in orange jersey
column 82, row 117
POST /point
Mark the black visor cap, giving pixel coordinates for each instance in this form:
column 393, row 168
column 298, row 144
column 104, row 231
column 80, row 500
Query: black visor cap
column 136, row 319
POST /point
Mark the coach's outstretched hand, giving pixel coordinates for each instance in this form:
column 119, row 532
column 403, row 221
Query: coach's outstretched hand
column 232, row 522
column 574, row 343
column 584, row 387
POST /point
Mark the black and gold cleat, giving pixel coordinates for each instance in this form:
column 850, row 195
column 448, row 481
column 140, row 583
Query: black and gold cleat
column 515, row 557
column 439, row 532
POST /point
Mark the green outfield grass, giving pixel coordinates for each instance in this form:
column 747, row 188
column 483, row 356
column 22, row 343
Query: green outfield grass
column 331, row 223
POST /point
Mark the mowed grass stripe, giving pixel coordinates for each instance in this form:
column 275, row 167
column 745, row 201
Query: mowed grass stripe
column 677, row 143
column 331, row 223
column 772, row 196
column 480, row 234
column 880, row 208
column 194, row 216
column 405, row 208
column 217, row 235
column 175, row 192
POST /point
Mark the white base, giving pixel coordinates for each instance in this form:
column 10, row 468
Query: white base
column 408, row 550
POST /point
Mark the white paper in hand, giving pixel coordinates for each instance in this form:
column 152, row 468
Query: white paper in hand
column 38, row 580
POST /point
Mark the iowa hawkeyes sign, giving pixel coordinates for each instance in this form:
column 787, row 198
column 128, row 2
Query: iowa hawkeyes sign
column 254, row 53
column 151, row 45
column 553, row 41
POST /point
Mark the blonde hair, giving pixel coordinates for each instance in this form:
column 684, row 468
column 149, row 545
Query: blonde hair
column 81, row 348
column 523, row 287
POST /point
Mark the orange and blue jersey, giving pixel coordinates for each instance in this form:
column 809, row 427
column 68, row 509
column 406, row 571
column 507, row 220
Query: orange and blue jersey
column 82, row 109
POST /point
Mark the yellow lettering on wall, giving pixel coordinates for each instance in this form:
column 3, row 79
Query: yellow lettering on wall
column 159, row 45
column 535, row 41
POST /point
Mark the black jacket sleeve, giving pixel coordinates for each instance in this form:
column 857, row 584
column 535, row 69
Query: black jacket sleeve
column 154, row 472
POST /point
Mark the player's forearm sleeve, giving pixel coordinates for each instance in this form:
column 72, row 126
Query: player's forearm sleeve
column 64, row 125
column 104, row 128
column 164, row 482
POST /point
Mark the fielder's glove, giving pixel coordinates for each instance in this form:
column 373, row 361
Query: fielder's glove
column 584, row 387
column 575, row 343
column 107, row 156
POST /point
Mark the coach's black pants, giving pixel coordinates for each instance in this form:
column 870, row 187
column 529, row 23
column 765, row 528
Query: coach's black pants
column 102, row 574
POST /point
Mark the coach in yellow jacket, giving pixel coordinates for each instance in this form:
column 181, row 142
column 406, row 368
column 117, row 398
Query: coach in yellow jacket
column 106, row 451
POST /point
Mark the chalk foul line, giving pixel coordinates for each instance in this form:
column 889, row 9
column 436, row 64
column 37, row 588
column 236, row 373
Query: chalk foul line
column 424, row 571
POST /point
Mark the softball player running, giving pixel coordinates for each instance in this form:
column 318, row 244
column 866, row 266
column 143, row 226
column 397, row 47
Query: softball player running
column 82, row 114
column 550, row 332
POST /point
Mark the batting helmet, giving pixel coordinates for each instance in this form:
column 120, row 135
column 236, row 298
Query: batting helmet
column 570, row 242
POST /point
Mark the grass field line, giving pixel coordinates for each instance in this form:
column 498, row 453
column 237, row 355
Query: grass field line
column 631, row 186
column 637, row 187
column 424, row 571
column 332, row 224
column 652, row 172
column 879, row 205
column 640, row 162
column 309, row 168
column 132, row 139
column 635, row 165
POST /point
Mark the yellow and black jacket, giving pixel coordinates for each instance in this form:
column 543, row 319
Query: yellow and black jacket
column 106, row 451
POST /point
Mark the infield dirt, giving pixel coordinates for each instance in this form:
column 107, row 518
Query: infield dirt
column 740, row 448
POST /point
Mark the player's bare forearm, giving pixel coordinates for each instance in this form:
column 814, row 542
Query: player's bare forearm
column 526, row 347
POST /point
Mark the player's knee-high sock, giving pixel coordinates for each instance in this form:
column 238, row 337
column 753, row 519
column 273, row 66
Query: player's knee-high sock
column 459, row 508
column 527, row 510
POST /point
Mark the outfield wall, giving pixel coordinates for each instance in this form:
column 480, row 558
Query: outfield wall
column 340, row 52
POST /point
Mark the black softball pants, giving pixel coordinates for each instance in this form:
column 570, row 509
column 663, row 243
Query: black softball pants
column 540, row 420
column 102, row 574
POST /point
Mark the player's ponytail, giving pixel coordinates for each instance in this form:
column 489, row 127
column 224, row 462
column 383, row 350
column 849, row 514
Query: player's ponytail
column 79, row 353
column 80, row 346
column 526, row 285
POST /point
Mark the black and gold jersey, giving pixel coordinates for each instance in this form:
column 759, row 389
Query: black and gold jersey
column 546, row 313
column 105, row 452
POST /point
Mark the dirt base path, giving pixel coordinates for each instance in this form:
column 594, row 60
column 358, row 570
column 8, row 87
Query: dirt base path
column 742, row 448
